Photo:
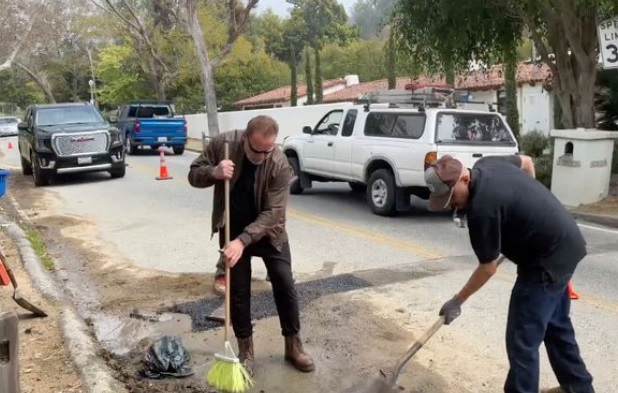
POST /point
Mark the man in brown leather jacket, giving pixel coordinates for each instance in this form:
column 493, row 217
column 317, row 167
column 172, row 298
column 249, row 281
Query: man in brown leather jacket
column 259, row 176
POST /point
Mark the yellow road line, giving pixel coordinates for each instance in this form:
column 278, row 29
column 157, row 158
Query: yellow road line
column 410, row 247
column 413, row 248
column 359, row 232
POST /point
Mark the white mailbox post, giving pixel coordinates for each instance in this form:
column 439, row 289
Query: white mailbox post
column 582, row 165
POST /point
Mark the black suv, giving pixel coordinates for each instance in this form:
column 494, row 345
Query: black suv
column 68, row 138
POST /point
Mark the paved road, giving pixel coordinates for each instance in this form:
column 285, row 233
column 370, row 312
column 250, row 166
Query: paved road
column 165, row 225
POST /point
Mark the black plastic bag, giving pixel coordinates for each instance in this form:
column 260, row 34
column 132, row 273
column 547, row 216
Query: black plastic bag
column 167, row 357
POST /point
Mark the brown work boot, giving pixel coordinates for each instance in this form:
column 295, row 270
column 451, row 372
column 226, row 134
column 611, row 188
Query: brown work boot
column 553, row 390
column 295, row 354
column 245, row 353
column 219, row 285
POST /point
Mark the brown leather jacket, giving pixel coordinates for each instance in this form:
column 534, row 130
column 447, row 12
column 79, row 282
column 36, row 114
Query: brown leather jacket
column 272, row 182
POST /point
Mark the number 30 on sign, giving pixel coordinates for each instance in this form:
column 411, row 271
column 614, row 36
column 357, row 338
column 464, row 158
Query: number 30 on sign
column 608, row 43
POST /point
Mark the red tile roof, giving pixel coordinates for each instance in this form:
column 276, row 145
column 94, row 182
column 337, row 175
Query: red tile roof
column 353, row 92
column 284, row 94
column 493, row 78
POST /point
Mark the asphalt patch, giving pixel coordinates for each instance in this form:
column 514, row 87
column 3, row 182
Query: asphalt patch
column 263, row 304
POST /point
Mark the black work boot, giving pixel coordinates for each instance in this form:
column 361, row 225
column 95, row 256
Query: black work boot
column 245, row 353
column 295, row 354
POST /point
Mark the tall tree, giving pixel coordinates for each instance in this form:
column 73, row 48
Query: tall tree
column 448, row 35
column 238, row 18
column 308, row 78
column 565, row 35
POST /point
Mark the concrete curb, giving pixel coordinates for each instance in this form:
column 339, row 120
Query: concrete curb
column 601, row 219
column 94, row 373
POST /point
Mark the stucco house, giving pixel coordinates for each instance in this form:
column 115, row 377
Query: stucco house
column 535, row 100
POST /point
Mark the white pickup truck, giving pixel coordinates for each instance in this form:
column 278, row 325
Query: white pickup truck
column 384, row 151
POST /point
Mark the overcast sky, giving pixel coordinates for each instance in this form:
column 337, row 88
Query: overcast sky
column 281, row 7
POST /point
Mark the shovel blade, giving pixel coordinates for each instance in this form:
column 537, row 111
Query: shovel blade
column 23, row 303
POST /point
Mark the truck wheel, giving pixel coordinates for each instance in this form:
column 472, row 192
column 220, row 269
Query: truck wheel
column 381, row 192
column 179, row 150
column 129, row 147
column 357, row 187
column 26, row 167
column 295, row 187
column 40, row 178
column 118, row 172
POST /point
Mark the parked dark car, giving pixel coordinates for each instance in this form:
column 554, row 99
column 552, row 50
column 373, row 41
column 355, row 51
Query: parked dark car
column 56, row 139
column 151, row 123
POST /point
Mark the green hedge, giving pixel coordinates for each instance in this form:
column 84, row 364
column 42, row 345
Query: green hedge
column 535, row 144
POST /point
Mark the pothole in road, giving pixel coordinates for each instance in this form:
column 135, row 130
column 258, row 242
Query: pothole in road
column 263, row 305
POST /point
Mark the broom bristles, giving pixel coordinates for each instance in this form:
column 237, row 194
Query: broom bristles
column 229, row 377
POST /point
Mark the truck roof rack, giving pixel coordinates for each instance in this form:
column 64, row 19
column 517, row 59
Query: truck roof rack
column 427, row 97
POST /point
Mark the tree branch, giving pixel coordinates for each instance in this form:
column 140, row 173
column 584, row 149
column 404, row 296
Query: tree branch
column 38, row 80
column 9, row 62
column 237, row 28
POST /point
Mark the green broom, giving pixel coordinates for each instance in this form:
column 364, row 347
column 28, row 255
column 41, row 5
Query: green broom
column 227, row 373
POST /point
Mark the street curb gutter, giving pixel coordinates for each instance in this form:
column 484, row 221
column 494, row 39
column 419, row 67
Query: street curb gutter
column 600, row 219
column 93, row 372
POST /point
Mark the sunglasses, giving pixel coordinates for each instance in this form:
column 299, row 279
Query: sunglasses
column 256, row 151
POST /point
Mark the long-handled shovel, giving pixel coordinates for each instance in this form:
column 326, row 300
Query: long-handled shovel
column 387, row 382
column 23, row 303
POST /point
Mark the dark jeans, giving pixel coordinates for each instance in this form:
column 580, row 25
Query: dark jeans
column 279, row 268
column 539, row 312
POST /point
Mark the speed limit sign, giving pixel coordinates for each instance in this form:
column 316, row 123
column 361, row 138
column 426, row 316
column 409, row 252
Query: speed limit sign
column 608, row 43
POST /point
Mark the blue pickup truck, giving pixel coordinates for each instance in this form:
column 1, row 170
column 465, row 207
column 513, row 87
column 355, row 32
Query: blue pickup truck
column 150, row 124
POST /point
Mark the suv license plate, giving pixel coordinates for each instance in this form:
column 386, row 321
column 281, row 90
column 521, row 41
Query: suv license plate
column 84, row 160
column 162, row 139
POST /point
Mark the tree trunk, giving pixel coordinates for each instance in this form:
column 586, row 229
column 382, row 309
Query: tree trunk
column 391, row 62
column 210, row 95
column 510, row 79
column 319, row 88
column 40, row 82
column 294, row 75
column 574, row 30
column 308, row 77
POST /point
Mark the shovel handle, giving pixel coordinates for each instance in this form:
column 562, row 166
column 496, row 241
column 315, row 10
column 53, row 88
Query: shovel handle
column 416, row 346
column 7, row 268
column 226, row 187
column 423, row 340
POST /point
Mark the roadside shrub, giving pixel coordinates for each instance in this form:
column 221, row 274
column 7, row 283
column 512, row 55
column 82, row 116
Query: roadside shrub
column 534, row 143
column 543, row 168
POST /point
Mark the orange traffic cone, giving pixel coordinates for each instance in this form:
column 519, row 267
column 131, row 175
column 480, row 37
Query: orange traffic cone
column 163, row 175
column 4, row 276
column 572, row 294
column 10, row 145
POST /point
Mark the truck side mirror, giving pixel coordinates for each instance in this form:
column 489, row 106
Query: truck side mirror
column 22, row 126
column 307, row 130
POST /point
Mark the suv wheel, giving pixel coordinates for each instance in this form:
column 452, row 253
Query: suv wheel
column 295, row 188
column 26, row 167
column 118, row 172
column 40, row 178
column 179, row 150
column 381, row 192
column 129, row 147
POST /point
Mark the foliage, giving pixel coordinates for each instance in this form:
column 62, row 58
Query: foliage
column 543, row 166
column 371, row 16
column 607, row 100
column 534, row 143
column 446, row 35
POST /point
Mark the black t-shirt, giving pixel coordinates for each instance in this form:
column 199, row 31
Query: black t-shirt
column 510, row 212
column 243, row 210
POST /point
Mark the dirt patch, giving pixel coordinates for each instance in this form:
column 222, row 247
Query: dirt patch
column 127, row 367
column 45, row 365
